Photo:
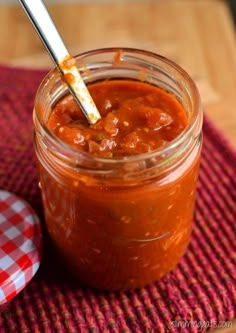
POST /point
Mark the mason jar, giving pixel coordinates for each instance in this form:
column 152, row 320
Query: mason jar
column 119, row 223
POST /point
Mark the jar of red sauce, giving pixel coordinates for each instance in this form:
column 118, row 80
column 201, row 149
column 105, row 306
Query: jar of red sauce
column 120, row 222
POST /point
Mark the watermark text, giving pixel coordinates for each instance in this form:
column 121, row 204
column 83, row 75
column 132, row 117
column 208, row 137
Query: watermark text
column 201, row 324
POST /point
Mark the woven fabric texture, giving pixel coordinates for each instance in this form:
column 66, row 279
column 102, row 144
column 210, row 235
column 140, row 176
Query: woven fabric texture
column 201, row 288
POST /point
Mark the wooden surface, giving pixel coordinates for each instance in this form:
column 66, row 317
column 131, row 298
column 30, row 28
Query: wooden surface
column 197, row 34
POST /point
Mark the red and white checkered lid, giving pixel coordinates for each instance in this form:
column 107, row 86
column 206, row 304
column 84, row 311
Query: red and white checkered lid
column 20, row 245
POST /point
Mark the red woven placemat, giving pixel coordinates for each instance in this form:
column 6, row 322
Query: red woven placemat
column 201, row 289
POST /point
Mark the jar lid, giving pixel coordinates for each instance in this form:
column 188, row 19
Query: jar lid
column 20, row 245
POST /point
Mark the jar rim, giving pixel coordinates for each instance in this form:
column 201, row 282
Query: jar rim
column 196, row 117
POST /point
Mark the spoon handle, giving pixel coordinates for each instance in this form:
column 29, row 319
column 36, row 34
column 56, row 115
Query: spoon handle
column 43, row 24
column 45, row 28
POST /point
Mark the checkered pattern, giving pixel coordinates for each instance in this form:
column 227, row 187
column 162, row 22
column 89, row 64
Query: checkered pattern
column 20, row 242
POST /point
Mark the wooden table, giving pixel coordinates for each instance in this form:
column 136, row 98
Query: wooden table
column 197, row 34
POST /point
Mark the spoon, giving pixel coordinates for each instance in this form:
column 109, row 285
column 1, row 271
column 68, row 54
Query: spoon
column 66, row 64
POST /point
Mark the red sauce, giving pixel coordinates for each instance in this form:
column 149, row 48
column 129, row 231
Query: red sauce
column 117, row 57
column 120, row 237
column 68, row 62
column 136, row 118
column 66, row 65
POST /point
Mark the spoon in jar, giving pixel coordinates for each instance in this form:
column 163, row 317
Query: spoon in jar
column 65, row 63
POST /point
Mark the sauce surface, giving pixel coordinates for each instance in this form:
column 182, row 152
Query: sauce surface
column 136, row 118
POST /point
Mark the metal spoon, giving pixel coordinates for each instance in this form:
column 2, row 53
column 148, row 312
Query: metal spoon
column 44, row 26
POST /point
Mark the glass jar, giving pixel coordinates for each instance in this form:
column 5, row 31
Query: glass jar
column 120, row 223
